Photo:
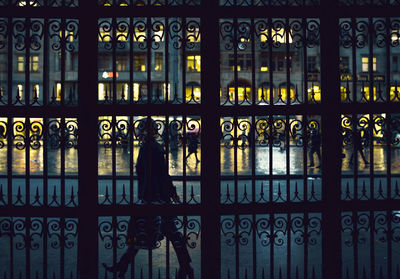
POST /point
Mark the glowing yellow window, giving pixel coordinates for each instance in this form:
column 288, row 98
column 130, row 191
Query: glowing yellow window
column 35, row 63
column 394, row 96
column 367, row 93
column 122, row 36
column 158, row 35
column 58, row 91
column 31, row 3
column 69, row 36
column 317, row 93
column 243, row 93
column 20, row 63
column 277, row 36
column 36, row 90
column 365, row 64
column 101, row 91
column 343, row 93
column 193, row 63
column 20, row 90
column 283, row 91
column 139, row 34
column 194, row 35
column 264, row 69
column 264, row 93
column 104, row 36
column 193, row 93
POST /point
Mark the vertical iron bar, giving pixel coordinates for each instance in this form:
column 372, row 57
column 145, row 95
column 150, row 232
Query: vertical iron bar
column 45, row 61
column 148, row 66
column 210, row 165
column 331, row 147
column 27, row 89
column 27, row 193
column 184, row 37
column 10, row 181
column 62, row 60
column 388, row 133
column 114, row 40
column 131, row 58
column 10, row 71
column 45, row 188
column 87, row 144
column 166, row 60
column 235, row 60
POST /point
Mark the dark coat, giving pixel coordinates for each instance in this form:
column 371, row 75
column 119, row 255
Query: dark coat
column 155, row 184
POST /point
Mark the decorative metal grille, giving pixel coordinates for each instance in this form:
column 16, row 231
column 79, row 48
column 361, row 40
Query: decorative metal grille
column 277, row 122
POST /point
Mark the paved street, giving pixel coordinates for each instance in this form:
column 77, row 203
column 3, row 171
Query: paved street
column 192, row 169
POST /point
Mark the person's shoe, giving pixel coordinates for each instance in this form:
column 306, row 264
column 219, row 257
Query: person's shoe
column 319, row 166
column 311, row 165
column 117, row 268
column 187, row 272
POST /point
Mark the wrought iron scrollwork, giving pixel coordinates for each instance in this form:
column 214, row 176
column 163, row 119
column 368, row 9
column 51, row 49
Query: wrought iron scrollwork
column 59, row 231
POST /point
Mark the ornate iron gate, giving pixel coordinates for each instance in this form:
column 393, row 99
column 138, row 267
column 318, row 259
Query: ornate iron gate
column 279, row 121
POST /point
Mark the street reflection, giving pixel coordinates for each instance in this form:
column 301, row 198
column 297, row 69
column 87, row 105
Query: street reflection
column 123, row 158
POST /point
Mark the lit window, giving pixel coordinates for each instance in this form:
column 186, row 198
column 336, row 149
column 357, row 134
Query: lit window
column 264, row 62
column 158, row 61
column 23, row 3
column 367, row 93
column 193, row 63
column 264, row 93
column 34, row 63
column 122, row 63
column 193, row 92
column 343, row 93
column 284, row 95
column 139, row 34
column 314, row 93
column 395, row 93
column 58, row 91
column 277, row 36
column 122, row 36
column 104, row 36
column 244, row 62
column 365, row 64
column 36, row 90
column 103, row 91
column 158, row 35
column 20, row 63
column 194, row 36
column 244, row 93
column 139, row 62
column 395, row 36
column 20, row 90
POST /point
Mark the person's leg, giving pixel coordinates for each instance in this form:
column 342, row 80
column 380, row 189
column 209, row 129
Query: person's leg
column 318, row 151
column 179, row 244
column 311, row 156
column 363, row 156
column 122, row 265
column 197, row 159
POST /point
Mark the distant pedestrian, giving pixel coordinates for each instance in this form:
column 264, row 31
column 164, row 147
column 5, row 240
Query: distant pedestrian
column 315, row 147
column 358, row 146
column 193, row 145
column 243, row 137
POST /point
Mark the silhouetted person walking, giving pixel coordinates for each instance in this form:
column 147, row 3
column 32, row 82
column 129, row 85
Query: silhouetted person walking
column 155, row 186
column 358, row 147
column 193, row 145
column 315, row 147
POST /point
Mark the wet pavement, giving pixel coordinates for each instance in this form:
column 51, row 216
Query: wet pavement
column 264, row 192
column 177, row 165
